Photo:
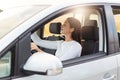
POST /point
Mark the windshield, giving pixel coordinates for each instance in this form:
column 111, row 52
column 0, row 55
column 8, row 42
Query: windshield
column 9, row 19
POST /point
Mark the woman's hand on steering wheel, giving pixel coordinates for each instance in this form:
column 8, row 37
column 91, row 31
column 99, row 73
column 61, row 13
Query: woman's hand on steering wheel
column 35, row 48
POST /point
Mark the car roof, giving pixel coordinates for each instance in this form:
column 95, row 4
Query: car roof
column 12, row 3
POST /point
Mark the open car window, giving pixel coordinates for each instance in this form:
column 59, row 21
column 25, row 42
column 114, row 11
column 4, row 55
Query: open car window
column 92, row 30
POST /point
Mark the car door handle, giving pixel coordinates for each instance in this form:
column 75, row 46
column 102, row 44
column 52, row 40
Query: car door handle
column 112, row 77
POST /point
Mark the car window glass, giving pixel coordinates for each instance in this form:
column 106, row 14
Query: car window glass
column 96, row 16
column 5, row 65
column 116, row 13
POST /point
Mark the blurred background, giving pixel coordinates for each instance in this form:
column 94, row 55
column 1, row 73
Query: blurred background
column 4, row 4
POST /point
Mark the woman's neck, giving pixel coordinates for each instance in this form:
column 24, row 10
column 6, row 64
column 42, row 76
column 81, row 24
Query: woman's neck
column 68, row 38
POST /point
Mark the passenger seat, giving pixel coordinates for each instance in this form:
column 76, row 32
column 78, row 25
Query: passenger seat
column 90, row 37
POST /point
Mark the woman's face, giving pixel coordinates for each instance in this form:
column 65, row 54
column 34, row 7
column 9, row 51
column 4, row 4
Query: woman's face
column 66, row 29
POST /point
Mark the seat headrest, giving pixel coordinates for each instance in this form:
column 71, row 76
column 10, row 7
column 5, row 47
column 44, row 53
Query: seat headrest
column 55, row 28
column 90, row 31
column 91, row 23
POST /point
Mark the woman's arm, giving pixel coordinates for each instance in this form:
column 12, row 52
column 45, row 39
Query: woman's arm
column 44, row 43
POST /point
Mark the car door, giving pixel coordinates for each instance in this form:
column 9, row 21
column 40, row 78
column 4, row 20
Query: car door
column 99, row 65
column 102, row 69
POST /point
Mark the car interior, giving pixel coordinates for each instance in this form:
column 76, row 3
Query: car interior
column 89, row 26
column 54, row 28
column 90, row 37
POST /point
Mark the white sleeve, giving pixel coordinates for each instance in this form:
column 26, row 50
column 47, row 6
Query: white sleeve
column 44, row 43
column 72, row 52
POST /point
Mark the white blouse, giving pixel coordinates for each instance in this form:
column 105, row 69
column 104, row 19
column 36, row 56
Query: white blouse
column 65, row 50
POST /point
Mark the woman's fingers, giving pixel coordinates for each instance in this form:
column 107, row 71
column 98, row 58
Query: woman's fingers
column 34, row 47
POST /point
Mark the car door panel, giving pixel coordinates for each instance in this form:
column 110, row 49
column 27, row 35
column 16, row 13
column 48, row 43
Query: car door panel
column 102, row 69
column 118, row 60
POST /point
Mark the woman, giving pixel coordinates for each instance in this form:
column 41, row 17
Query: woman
column 68, row 49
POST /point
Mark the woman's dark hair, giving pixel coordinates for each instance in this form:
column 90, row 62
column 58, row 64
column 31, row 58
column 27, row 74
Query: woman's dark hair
column 74, row 23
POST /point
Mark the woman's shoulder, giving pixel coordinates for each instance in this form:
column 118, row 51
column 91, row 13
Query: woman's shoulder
column 77, row 44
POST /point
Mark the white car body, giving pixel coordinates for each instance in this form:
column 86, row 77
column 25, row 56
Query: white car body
column 104, row 68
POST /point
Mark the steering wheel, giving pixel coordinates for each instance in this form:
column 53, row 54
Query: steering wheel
column 33, row 51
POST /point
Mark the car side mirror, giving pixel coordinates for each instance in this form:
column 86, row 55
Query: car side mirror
column 43, row 63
